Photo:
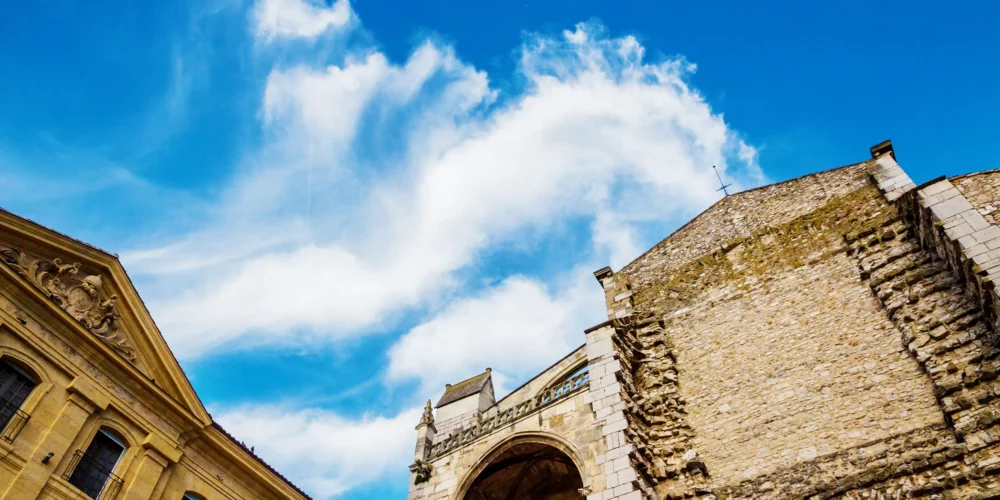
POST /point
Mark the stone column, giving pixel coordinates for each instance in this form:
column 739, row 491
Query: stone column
column 84, row 400
column 621, row 481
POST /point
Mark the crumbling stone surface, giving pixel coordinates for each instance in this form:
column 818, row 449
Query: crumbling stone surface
column 773, row 370
column 844, row 351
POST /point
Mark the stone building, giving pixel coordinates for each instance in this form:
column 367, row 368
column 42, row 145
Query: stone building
column 92, row 402
column 831, row 336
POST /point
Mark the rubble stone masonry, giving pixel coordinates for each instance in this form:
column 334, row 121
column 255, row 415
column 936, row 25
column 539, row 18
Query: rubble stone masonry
column 836, row 340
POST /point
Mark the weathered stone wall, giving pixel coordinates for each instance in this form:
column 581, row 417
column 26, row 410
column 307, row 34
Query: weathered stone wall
column 833, row 336
column 794, row 363
column 773, row 371
column 738, row 216
column 845, row 352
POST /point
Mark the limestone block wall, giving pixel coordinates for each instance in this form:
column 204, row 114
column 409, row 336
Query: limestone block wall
column 611, row 376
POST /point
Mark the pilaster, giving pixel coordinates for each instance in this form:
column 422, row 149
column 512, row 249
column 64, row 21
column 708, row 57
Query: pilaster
column 150, row 469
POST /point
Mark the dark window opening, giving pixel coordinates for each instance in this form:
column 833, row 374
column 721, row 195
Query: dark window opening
column 570, row 383
column 93, row 470
column 15, row 386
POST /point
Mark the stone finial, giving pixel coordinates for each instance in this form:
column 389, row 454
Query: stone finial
column 428, row 417
column 602, row 273
column 883, row 148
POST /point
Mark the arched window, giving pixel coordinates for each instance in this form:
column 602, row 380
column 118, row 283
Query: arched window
column 15, row 385
column 92, row 471
column 578, row 379
column 192, row 496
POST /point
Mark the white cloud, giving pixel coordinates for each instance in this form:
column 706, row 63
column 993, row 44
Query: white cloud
column 312, row 108
column 325, row 233
column 323, row 452
column 298, row 18
column 516, row 328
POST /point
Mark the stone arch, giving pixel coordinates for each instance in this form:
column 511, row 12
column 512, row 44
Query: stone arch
column 117, row 430
column 26, row 363
column 37, row 372
column 525, row 450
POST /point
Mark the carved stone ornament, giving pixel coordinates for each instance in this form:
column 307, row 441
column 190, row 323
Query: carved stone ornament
column 81, row 296
column 428, row 417
column 422, row 470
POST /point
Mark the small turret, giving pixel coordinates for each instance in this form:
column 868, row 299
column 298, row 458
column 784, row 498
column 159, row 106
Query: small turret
column 461, row 402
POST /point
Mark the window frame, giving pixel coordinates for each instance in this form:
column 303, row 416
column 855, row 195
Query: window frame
column 29, row 365
column 26, row 405
column 116, row 436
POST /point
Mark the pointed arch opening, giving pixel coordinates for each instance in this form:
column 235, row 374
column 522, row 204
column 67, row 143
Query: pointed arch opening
column 526, row 469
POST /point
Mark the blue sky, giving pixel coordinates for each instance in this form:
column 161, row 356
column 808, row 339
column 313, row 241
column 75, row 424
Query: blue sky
column 333, row 209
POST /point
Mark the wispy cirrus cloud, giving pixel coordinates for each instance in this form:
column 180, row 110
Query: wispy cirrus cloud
column 381, row 190
column 599, row 132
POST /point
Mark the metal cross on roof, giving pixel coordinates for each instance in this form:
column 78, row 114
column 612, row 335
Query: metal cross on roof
column 724, row 185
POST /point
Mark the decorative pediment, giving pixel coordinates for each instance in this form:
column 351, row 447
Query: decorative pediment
column 82, row 296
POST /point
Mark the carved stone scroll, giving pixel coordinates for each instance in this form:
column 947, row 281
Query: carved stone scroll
column 83, row 297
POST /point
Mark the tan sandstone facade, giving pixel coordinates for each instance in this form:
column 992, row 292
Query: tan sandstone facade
column 92, row 402
column 831, row 336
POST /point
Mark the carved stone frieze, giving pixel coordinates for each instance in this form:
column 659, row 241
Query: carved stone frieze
column 82, row 296
column 481, row 426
